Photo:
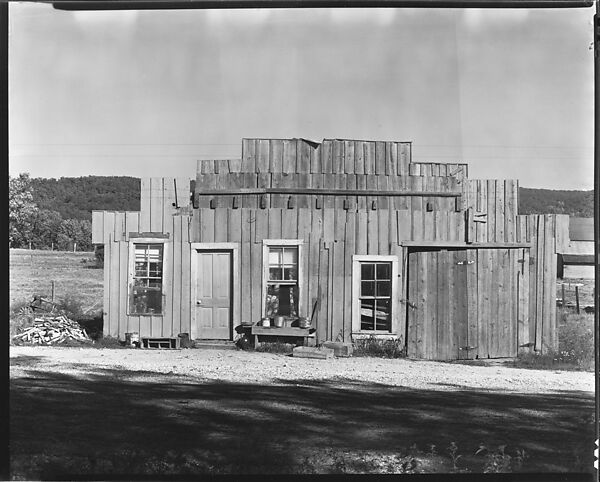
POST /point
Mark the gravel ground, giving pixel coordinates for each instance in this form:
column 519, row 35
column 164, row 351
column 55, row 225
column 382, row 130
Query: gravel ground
column 251, row 367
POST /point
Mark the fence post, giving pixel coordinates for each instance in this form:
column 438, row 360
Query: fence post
column 577, row 298
column 74, row 247
column 52, row 291
column 564, row 303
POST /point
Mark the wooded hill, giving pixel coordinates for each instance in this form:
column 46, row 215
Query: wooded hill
column 76, row 197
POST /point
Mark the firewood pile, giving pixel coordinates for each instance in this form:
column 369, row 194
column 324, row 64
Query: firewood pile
column 51, row 330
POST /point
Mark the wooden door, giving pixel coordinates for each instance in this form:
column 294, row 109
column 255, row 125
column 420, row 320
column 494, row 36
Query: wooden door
column 212, row 303
column 463, row 304
column 437, row 312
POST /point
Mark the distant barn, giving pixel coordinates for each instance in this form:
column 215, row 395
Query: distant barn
column 577, row 259
column 350, row 234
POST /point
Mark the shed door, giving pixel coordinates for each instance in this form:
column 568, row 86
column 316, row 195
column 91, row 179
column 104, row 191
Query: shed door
column 463, row 303
column 438, row 309
column 213, row 295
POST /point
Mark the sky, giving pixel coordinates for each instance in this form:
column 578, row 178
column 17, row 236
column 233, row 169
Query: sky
column 148, row 93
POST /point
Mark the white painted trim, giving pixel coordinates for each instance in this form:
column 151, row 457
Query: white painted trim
column 234, row 248
column 265, row 269
column 363, row 335
column 282, row 242
column 165, row 272
column 356, row 260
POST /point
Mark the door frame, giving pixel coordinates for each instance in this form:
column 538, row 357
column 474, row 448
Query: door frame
column 234, row 249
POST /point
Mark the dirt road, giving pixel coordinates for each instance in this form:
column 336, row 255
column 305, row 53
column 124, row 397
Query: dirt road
column 107, row 411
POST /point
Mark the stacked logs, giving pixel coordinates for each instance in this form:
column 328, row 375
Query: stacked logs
column 51, row 330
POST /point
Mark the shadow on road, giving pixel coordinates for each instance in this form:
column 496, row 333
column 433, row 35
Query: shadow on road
column 109, row 422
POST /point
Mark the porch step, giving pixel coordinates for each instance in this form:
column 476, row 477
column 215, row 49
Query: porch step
column 214, row 344
column 165, row 343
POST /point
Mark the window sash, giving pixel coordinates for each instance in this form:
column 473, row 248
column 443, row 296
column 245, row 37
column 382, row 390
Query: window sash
column 146, row 289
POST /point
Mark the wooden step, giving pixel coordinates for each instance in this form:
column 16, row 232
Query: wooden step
column 215, row 344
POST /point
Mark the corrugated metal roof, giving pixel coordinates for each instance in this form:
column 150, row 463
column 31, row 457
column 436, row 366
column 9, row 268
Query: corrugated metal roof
column 581, row 229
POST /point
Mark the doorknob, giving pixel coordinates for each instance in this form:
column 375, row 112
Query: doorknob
column 198, row 302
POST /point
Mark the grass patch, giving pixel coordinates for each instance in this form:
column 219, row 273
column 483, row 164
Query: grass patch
column 575, row 346
column 375, row 347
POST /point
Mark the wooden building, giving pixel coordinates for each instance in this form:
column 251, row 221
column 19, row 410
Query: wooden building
column 351, row 234
column 577, row 260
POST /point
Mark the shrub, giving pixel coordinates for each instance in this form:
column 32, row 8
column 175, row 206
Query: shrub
column 376, row 347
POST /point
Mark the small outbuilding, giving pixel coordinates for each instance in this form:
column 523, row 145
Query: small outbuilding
column 577, row 259
column 349, row 234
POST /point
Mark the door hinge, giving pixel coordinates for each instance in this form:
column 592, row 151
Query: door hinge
column 467, row 348
column 409, row 303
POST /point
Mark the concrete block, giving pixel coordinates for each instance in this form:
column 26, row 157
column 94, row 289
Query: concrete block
column 309, row 352
column 339, row 349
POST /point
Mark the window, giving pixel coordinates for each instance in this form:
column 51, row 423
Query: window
column 375, row 296
column 282, row 277
column 146, row 296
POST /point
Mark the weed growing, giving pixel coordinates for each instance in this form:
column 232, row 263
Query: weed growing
column 276, row 347
column 374, row 347
column 575, row 346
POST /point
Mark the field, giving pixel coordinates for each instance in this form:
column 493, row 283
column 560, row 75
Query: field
column 74, row 276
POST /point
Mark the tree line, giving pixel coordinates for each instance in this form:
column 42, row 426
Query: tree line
column 57, row 213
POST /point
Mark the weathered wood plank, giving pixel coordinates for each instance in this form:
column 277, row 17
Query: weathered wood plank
column 369, row 157
column 391, row 159
column 361, row 184
column 349, row 157
column 98, row 227
column 289, row 224
column 323, row 319
column 326, row 156
column 275, row 217
column 483, row 302
column 359, row 157
column 404, row 159
column 500, row 208
column 417, row 233
column 340, row 183
column 207, row 225
column 329, row 225
column 289, row 155
column 145, row 193
column 249, row 155
column 495, row 269
column 329, row 182
column 413, row 310
column 221, row 224
column 361, row 232
column 472, row 299
column 304, row 226
column 175, row 273
column 260, row 232
column 303, row 159
column 383, row 235
column 113, row 288
column 315, row 161
column 350, row 236
column 338, row 156
column 404, row 225
column 423, row 303
column 380, row 157
column 510, row 210
column 539, row 261
column 247, row 228
column 372, row 232
column 491, row 211
column 549, row 305
column 123, row 287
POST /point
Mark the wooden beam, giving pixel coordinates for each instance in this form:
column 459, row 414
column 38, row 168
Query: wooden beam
column 460, row 244
column 326, row 191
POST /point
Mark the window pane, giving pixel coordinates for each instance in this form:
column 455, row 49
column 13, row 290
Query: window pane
column 384, row 271
column 275, row 274
column 275, row 256
column 146, row 291
column 290, row 255
column 290, row 273
column 367, row 320
column 367, row 271
column 382, row 315
column 367, row 288
column 384, row 288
